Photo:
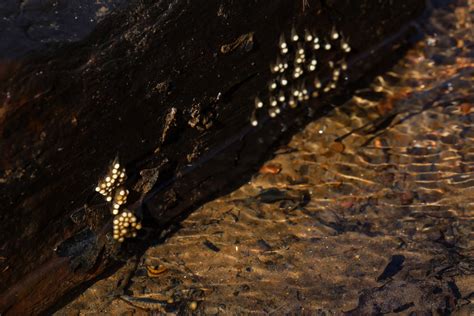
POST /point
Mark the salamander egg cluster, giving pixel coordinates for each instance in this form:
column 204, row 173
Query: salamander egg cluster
column 125, row 223
column 299, row 74
column 114, row 179
column 120, row 198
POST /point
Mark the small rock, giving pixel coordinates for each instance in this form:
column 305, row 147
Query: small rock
column 193, row 305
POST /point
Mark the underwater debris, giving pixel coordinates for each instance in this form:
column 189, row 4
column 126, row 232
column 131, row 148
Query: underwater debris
column 145, row 302
column 155, row 271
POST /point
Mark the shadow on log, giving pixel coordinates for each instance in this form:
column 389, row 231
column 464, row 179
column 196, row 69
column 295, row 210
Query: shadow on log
column 169, row 88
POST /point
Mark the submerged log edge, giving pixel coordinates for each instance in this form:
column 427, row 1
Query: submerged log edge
column 169, row 89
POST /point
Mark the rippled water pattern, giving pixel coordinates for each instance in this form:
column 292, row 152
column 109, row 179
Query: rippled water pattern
column 377, row 195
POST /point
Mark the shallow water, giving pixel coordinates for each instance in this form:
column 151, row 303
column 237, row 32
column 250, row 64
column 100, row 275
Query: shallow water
column 369, row 208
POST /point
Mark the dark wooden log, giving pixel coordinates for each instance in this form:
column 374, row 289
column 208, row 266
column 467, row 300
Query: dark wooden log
column 168, row 87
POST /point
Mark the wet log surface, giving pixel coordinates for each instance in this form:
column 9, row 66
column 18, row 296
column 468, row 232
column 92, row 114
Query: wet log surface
column 169, row 88
column 367, row 210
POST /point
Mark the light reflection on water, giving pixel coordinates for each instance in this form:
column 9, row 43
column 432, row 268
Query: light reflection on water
column 389, row 173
